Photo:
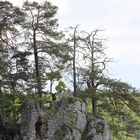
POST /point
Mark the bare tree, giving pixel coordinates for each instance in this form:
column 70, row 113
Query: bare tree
column 75, row 40
column 96, row 60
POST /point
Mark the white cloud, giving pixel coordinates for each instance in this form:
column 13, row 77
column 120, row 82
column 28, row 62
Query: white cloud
column 62, row 5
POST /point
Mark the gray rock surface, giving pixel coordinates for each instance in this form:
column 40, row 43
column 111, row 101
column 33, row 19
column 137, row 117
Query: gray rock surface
column 67, row 123
column 66, row 120
column 98, row 129
column 29, row 116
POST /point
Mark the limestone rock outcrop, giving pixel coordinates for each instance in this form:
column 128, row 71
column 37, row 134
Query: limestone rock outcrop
column 68, row 123
column 97, row 129
column 29, row 117
column 66, row 120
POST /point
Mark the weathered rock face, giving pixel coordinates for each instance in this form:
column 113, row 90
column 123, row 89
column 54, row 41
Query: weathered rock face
column 67, row 123
column 67, row 120
column 97, row 129
column 137, row 134
column 30, row 112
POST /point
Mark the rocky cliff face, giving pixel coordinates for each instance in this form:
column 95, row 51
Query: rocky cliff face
column 97, row 129
column 30, row 113
column 67, row 123
column 67, row 120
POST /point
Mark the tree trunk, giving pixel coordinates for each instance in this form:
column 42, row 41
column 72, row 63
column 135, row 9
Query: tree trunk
column 74, row 73
column 38, row 80
column 74, row 63
column 2, row 122
column 93, row 80
column 53, row 96
column 94, row 103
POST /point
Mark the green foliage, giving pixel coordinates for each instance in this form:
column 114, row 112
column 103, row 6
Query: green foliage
column 61, row 87
column 118, row 104
column 11, row 104
column 89, row 105
column 54, row 75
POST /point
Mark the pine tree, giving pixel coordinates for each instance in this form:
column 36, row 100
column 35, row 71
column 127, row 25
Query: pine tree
column 42, row 38
column 10, row 17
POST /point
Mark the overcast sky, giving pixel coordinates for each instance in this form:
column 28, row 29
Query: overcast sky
column 120, row 20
